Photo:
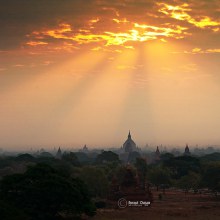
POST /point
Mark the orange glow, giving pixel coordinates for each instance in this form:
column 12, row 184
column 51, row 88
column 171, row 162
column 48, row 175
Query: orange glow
column 94, row 20
column 205, row 22
column 200, row 51
column 36, row 43
column 138, row 33
column 59, row 32
column 85, row 73
column 180, row 13
column 120, row 21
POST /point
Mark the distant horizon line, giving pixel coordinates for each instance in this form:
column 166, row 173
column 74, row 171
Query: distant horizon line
column 69, row 148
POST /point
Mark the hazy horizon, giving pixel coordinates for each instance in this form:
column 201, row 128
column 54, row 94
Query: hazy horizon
column 78, row 146
column 76, row 72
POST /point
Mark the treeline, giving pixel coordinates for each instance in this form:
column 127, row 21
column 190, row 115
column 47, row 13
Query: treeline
column 44, row 188
column 187, row 172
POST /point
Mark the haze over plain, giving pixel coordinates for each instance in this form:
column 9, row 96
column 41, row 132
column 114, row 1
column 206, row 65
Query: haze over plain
column 76, row 72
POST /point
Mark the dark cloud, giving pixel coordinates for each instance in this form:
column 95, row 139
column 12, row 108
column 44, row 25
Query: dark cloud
column 19, row 18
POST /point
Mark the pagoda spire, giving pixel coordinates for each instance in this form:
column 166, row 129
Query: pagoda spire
column 59, row 154
column 157, row 150
column 187, row 152
column 129, row 134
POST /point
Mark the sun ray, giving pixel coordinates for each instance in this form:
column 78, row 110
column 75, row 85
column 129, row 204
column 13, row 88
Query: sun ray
column 47, row 90
column 105, row 97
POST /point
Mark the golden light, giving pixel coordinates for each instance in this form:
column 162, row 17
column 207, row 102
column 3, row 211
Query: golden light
column 181, row 13
column 36, row 43
column 132, row 32
column 205, row 22
column 104, row 94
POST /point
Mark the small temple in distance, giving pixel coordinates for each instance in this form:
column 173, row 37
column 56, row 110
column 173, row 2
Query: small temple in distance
column 187, row 152
column 157, row 155
column 129, row 149
column 85, row 149
column 59, row 154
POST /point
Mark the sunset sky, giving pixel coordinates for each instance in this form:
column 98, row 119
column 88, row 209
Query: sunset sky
column 75, row 72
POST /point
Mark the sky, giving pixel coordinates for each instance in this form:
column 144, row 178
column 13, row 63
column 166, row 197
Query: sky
column 75, row 72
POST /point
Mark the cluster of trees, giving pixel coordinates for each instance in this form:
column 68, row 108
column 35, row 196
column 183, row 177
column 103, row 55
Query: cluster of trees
column 49, row 188
column 187, row 172
column 44, row 193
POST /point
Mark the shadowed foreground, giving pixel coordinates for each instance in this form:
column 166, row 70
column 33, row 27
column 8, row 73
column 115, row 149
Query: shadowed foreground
column 174, row 205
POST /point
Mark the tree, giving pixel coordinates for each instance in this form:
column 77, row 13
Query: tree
column 211, row 176
column 141, row 166
column 71, row 158
column 46, row 154
column 211, row 157
column 82, row 157
column 181, row 166
column 159, row 176
column 25, row 157
column 95, row 180
column 166, row 156
column 44, row 194
column 126, row 175
column 8, row 212
column 107, row 156
column 128, row 178
column 189, row 181
column 132, row 156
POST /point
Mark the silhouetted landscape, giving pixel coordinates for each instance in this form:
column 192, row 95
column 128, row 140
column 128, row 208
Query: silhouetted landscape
column 109, row 110
column 90, row 183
